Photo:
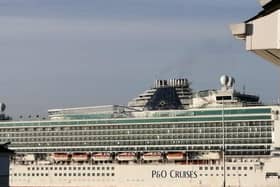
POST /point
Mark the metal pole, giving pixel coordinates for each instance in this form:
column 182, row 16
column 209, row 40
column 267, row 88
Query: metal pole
column 224, row 148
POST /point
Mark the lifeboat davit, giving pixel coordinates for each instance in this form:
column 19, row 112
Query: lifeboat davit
column 175, row 156
column 152, row 156
column 126, row 157
column 101, row 157
column 78, row 157
column 60, row 157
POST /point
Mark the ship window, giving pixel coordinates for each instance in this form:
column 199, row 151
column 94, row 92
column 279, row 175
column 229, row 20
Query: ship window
column 54, row 174
column 74, row 174
column 239, row 168
column 206, row 168
column 233, row 168
column 206, row 174
column 228, row 168
column 93, row 174
column 220, row 98
column 211, row 168
column 200, row 168
column 42, row 174
column 98, row 174
column 69, row 174
column 84, row 174
column 217, row 168
column 251, row 168
column 245, row 168
column 37, row 174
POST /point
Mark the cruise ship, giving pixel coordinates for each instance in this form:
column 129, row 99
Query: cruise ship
column 169, row 136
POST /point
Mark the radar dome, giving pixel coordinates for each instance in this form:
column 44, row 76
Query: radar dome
column 224, row 80
column 230, row 82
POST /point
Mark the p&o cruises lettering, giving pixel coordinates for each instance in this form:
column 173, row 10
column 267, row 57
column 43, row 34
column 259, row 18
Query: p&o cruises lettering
column 162, row 174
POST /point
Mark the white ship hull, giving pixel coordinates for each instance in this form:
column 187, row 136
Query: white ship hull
column 249, row 172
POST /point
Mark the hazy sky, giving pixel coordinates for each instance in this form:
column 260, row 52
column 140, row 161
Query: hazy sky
column 69, row 53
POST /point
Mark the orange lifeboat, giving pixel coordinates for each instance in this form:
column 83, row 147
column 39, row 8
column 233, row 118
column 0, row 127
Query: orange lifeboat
column 78, row 157
column 152, row 156
column 101, row 157
column 175, row 156
column 60, row 157
column 126, row 157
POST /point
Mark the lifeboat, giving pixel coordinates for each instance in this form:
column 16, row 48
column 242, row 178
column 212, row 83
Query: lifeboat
column 126, row 157
column 152, row 156
column 101, row 157
column 209, row 156
column 60, row 157
column 175, row 156
column 78, row 157
column 28, row 158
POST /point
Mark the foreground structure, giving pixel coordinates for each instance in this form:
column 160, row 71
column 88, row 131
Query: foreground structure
column 5, row 155
column 261, row 32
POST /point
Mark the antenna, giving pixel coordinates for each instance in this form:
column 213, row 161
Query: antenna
column 244, row 89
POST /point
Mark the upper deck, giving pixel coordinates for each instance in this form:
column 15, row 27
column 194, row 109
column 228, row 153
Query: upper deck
column 209, row 120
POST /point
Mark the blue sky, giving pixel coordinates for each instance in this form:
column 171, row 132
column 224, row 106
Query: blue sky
column 69, row 53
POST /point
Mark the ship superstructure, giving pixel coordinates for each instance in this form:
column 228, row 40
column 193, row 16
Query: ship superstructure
column 154, row 141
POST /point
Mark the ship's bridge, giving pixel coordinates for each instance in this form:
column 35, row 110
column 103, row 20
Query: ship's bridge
column 227, row 96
